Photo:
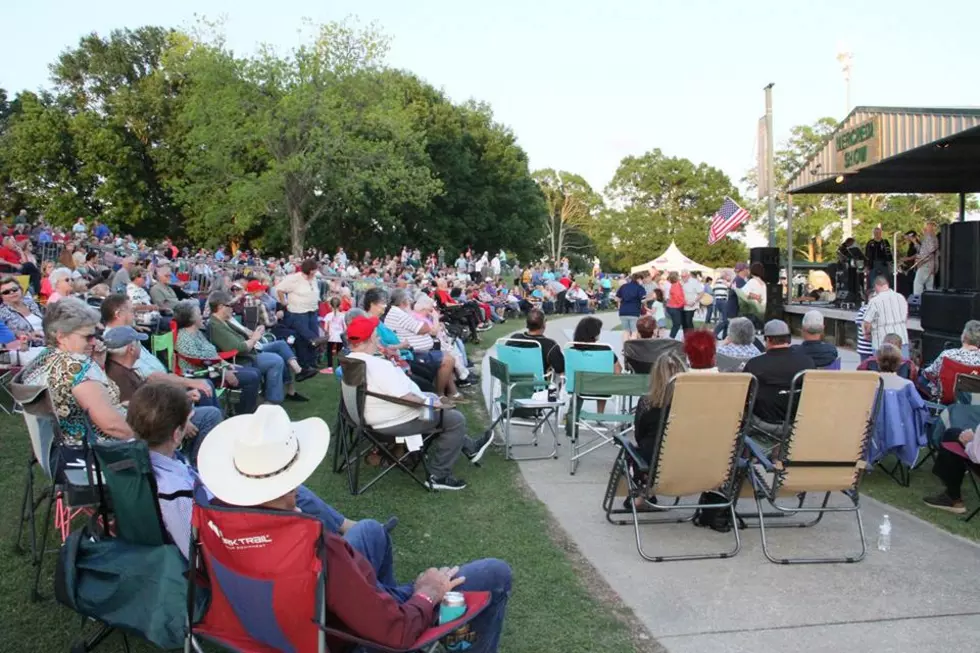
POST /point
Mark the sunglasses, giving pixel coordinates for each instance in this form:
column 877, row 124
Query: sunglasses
column 10, row 291
column 91, row 336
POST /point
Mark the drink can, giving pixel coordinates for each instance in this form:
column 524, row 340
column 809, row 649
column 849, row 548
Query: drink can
column 453, row 607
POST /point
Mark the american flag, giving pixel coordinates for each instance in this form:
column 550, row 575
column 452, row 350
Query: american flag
column 728, row 217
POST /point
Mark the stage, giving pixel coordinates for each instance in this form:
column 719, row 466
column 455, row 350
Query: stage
column 840, row 324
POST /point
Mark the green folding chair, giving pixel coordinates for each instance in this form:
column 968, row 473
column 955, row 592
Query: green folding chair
column 517, row 374
column 587, row 357
column 162, row 346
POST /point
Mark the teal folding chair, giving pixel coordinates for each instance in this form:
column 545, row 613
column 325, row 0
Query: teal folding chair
column 588, row 357
column 518, row 370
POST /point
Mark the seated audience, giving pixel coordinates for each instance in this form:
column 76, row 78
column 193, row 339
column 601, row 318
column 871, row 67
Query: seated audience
column 123, row 353
column 398, row 421
column 889, row 360
column 192, row 343
column 699, row 347
column 740, row 343
column 426, row 360
column 553, row 359
column 821, row 352
column 968, row 353
column 17, row 260
column 774, row 371
column 906, row 368
column 61, row 284
column 241, row 463
column 160, row 414
column 647, row 328
column 71, row 368
column 19, row 312
column 425, row 310
column 951, row 468
column 161, row 294
column 147, row 314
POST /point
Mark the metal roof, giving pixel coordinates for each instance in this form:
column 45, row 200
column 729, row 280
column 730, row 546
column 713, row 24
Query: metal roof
column 897, row 150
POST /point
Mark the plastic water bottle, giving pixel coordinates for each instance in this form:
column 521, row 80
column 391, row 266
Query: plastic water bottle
column 885, row 534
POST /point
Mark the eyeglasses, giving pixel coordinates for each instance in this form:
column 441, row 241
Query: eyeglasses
column 10, row 291
column 91, row 336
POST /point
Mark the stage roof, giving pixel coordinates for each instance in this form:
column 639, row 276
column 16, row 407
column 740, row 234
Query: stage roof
column 897, row 150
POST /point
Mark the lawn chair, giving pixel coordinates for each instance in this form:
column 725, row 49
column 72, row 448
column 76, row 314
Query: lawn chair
column 518, row 371
column 641, row 354
column 68, row 498
column 697, row 451
column 130, row 577
column 949, row 372
column 228, row 396
column 823, row 451
column 269, row 596
column 597, row 357
column 900, row 429
column 834, row 366
column 362, row 439
column 162, row 346
column 9, row 368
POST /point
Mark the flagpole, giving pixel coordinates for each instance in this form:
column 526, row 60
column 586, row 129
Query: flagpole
column 770, row 178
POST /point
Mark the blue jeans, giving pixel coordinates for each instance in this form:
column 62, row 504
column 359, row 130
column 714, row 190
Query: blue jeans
column 282, row 349
column 307, row 330
column 205, row 418
column 248, row 383
column 313, row 505
column 369, row 538
column 275, row 374
column 676, row 316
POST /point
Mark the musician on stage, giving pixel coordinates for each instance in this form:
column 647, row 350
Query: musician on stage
column 878, row 257
column 927, row 261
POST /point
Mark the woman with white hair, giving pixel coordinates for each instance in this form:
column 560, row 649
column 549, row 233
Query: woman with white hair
column 739, row 343
column 425, row 310
column 968, row 353
column 72, row 369
column 61, row 284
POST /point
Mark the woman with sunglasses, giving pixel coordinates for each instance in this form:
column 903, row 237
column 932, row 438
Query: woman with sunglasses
column 71, row 367
column 22, row 315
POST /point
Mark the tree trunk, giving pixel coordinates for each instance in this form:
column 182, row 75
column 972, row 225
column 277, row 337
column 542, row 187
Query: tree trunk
column 297, row 231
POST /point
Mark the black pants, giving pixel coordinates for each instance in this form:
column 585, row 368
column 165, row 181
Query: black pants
column 35, row 276
column 688, row 320
column 949, row 467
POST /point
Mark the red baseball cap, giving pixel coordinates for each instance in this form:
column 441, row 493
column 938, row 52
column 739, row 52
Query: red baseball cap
column 361, row 328
column 256, row 286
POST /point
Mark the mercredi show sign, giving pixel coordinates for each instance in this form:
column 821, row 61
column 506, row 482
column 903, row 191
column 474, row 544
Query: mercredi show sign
column 859, row 146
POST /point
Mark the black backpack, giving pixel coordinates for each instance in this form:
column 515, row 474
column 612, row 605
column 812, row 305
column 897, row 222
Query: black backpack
column 717, row 519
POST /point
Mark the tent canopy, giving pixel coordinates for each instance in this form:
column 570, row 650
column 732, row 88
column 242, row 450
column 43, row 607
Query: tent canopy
column 672, row 260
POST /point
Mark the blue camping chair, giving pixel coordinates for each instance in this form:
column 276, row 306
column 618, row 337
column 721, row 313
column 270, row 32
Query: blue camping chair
column 833, row 366
column 586, row 357
column 518, row 368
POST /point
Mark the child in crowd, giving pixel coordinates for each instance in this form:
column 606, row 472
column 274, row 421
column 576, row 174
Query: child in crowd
column 335, row 326
column 658, row 311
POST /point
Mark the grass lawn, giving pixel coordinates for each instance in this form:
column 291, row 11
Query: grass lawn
column 551, row 608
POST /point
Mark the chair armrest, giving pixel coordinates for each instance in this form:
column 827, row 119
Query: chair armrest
column 398, row 400
column 628, row 448
column 757, row 452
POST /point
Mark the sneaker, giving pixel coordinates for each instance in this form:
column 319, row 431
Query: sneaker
column 446, row 483
column 943, row 502
column 305, row 375
column 479, row 448
column 296, row 397
column 326, row 370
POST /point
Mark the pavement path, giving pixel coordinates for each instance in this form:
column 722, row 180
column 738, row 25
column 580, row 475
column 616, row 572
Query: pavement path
column 920, row 596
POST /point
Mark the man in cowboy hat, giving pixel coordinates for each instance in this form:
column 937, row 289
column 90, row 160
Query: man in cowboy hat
column 385, row 378
column 260, row 461
column 161, row 414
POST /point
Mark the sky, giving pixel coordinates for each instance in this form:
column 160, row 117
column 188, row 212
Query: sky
column 584, row 84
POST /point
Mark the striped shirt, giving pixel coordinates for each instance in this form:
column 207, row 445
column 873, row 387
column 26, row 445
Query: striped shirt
column 720, row 290
column 863, row 342
column 407, row 328
column 887, row 313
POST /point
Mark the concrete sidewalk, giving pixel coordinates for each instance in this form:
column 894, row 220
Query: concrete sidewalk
column 920, row 596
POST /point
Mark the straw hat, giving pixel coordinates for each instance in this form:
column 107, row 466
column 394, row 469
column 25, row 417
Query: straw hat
column 248, row 460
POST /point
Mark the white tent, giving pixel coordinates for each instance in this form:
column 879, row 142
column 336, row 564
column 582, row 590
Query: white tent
column 672, row 260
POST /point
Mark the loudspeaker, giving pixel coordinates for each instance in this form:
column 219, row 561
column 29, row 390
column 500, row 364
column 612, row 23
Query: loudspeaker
column 769, row 257
column 774, row 301
column 959, row 262
column 934, row 342
column 948, row 311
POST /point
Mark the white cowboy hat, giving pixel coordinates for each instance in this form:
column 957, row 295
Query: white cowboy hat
column 248, row 460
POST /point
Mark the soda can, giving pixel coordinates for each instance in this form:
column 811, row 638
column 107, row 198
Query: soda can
column 453, row 607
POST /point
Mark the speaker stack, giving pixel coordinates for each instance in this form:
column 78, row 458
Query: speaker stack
column 769, row 258
column 944, row 312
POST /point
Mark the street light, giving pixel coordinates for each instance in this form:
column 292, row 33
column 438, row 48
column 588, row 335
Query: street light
column 844, row 58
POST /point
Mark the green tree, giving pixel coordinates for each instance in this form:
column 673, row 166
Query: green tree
column 572, row 208
column 310, row 138
column 655, row 199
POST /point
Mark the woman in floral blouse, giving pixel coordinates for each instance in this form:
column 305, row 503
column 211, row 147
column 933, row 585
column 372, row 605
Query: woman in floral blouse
column 71, row 368
column 193, row 343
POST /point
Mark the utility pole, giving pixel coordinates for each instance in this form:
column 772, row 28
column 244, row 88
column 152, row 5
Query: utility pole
column 844, row 57
column 770, row 177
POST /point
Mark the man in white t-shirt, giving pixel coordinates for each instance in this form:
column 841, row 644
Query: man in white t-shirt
column 397, row 420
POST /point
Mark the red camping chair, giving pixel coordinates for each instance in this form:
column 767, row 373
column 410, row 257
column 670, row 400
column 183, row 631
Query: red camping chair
column 197, row 362
column 266, row 571
column 948, row 371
